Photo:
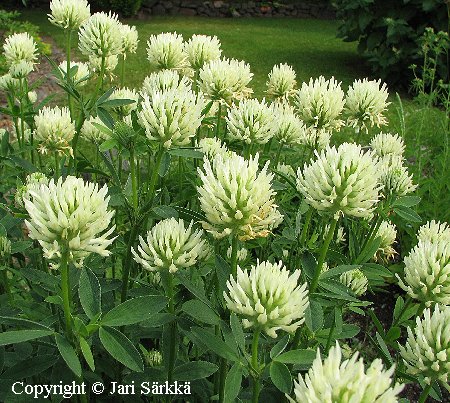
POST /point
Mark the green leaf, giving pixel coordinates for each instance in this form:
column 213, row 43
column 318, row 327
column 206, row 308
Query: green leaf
column 121, row 348
column 384, row 350
column 30, row 367
column 213, row 342
column 198, row 310
column 238, row 332
column 19, row 336
column 112, row 103
column 338, row 270
column 164, row 165
column 407, row 201
column 194, row 370
column 87, row 353
column 20, row 322
column 107, row 145
column 90, row 293
column 233, row 383
column 278, row 348
column 68, row 354
column 281, row 376
column 300, row 357
column 309, row 264
column 134, row 310
column 186, row 152
column 314, row 316
column 20, row 246
column 393, row 334
column 165, row 211
column 339, row 290
column 407, row 214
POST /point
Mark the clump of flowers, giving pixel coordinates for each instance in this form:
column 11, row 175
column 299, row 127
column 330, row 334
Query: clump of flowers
column 241, row 254
column 250, row 121
column 166, row 51
column 286, row 169
column 91, row 132
column 79, row 79
column 427, row 348
column 355, row 280
column 69, row 14
column 288, row 127
column 108, row 63
column 341, row 181
column 125, row 93
column 225, row 80
column 171, row 117
column 54, row 130
column 320, row 103
column 130, row 39
column 340, row 381
column 388, row 145
column 434, row 231
column 395, row 178
column 211, row 146
column 165, row 80
column 20, row 52
column 5, row 248
column 268, row 297
column 171, row 246
column 201, row 49
column 281, row 82
column 9, row 83
column 32, row 183
column 365, row 103
column 99, row 36
column 387, row 234
column 237, row 199
column 70, row 216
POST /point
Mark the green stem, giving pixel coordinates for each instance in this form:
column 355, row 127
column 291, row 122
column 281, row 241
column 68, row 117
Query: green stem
column 404, row 308
column 306, row 226
column 122, row 69
column 68, row 77
column 222, row 377
column 323, row 253
column 330, row 335
column 6, row 282
column 423, row 396
column 65, row 290
column 234, row 250
column 133, row 180
column 56, row 165
column 128, row 262
column 173, row 328
column 277, row 157
column 219, row 112
column 154, row 177
column 256, row 384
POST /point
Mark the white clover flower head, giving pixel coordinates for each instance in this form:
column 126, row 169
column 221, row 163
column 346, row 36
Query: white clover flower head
column 241, row 254
column 20, row 52
column 91, row 132
column 171, row 246
column 9, row 83
column 236, row 198
column 427, row 348
column 317, row 139
column 288, row 127
column 434, row 231
column 125, row 93
column 286, row 169
column 153, row 358
column 99, row 36
column 5, row 247
column 32, row 96
column 225, row 80
column 395, row 178
column 388, row 145
column 355, row 280
column 79, row 79
column 130, row 39
column 250, row 121
column 340, row 235
column 172, row 117
column 69, row 14
column 281, row 82
column 334, row 380
column 201, row 49
column 320, row 103
column 388, row 233
column 427, row 273
column 109, row 64
column 165, row 80
column 341, row 181
column 166, row 51
column 268, row 297
column 70, row 215
column 365, row 103
column 211, row 146
column 54, row 129
column 32, row 183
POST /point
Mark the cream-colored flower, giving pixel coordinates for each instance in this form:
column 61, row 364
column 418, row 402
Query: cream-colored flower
column 32, row 96
column 365, row 104
column 70, row 215
column 337, row 381
column 355, row 280
column 320, row 103
column 288, row 127
column 281, row 82
column 211, row 146
column 250, row 121
column 286, row 169
column 201, row 49
column 163, row 81
column 9, row 83
column 427, row 273
column 130, row 39
column 225, row 80
column 172, row 117
column 125, row 93
column 166, row 51
column 427, row 348
column 21, row 69
column 91, row 132
column 341, row 181
column 32, row 184
column 317, row 139
column 388, row 145
column 241, row 254
column 268, row 297
column 5, row 248
column 109, row 64
column 99, row 36
column 434, row 231
column 20, row 52
column 69, row 14
column 79, row 79
column 236, row 198
column 171, row 246
column 54, row 129
column 395, row 178
column 388, row 233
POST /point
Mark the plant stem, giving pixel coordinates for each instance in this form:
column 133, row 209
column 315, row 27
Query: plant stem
column 234, row 250
column 222, row 376
column 423, row 396
column 277, row 157
column 173, row 328
column 122, row 69
column 127, row 262
column 65, row 290
column 56, row 165
column 219, row 112
column 256, row 384
column 68, row 77
column 133, row 180
column 323, row 253
column 306, row 226
column 154, row 177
